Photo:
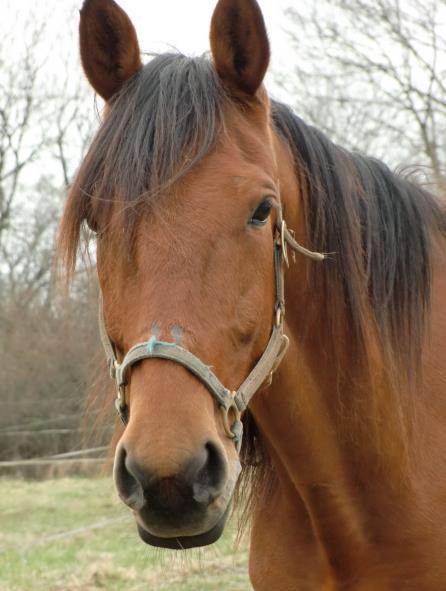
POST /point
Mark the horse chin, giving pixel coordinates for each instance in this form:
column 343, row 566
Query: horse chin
column 185, row 542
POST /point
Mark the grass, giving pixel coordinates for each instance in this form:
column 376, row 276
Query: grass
column 72, row 534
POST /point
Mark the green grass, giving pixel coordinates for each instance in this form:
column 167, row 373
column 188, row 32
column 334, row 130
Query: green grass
column 33, row 556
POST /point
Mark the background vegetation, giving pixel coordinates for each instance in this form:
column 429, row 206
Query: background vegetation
column 71, row 534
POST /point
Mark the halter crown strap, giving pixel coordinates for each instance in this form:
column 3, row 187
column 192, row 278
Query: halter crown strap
column 236, row 400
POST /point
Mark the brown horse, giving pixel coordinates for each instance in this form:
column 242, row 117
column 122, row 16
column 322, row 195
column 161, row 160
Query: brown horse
column 188, row 185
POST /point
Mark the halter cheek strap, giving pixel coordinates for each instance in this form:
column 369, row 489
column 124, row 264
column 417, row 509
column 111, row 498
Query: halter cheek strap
column 230, row 402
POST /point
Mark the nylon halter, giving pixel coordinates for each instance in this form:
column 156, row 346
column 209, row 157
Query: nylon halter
column 230, row 402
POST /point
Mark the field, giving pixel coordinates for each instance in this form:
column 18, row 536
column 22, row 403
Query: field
column 72, row 534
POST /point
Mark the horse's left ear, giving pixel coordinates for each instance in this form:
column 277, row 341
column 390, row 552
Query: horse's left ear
column 109, row 46
column 239, row 45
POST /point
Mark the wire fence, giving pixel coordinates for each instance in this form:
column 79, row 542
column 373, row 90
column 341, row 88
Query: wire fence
column 19, row 402
column 48, row 462
column 38, row 422
column 73, row 462
column 51, row 432
column 73, row 454
column 51, row 439
column 78, row 452
column 70, row 533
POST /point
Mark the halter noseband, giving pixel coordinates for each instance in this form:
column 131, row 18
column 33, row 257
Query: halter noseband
column 227, row 400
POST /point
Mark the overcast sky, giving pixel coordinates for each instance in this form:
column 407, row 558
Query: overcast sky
column 160, row 24
column 173, row 22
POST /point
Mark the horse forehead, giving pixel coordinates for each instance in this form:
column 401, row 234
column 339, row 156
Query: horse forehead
column 231, row 174
column 252, row 144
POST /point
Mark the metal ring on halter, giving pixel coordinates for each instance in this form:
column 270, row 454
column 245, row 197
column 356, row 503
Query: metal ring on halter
column 225, row 412
column 234, row 430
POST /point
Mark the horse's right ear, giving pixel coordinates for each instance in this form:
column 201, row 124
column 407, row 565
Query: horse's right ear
column 109, row 46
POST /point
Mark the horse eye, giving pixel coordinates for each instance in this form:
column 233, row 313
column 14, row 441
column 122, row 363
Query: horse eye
column 261, row 214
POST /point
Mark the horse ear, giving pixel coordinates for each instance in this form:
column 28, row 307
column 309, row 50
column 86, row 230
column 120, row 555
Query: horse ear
column 108, row 45
column 239, row 44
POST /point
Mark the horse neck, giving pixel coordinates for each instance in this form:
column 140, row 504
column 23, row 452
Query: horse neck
column 335, row 382
column 324, row 454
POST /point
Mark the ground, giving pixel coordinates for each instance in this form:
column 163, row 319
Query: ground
column 72, row 534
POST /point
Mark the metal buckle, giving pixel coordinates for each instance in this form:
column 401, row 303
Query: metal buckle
column 232, row 431
column 280, row 314
column 122, row 412
column 112, row 366
column 120, row 404
column 120, row 396
column 283, row 243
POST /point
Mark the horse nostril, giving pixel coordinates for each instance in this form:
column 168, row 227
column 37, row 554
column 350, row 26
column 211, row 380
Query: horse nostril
column 200, row 481
column 128, row 480
column 207, row 473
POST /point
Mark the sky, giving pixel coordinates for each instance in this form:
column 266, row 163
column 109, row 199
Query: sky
column 160, row 24
column 172, row 21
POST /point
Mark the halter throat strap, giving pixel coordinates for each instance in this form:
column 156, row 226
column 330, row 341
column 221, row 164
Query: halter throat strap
column 231, row 402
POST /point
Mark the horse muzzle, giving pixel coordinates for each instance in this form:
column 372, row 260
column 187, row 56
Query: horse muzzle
column 184, row 509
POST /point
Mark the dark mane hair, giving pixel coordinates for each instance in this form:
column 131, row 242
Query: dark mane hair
column 379, row 225
column 159, row 126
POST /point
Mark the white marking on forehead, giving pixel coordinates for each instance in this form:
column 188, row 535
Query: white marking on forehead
column 156, row 329
column 177, row 332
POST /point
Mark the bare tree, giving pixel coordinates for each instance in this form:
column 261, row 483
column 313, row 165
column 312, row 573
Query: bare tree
column 372, row 73
column 46, row 340
column 42, row 117
column 19, row 106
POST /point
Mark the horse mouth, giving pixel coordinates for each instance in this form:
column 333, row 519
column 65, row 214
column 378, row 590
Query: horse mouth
column 185, row 542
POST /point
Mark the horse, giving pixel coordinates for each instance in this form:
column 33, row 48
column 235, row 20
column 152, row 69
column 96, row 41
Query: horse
column 212, row 206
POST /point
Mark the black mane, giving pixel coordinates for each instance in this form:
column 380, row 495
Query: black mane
column 165, row 119
column 380, row 227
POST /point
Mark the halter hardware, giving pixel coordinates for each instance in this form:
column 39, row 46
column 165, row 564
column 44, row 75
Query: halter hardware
column 232, row 402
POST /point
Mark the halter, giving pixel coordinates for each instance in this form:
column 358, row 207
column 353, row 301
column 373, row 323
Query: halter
column 229, row 402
